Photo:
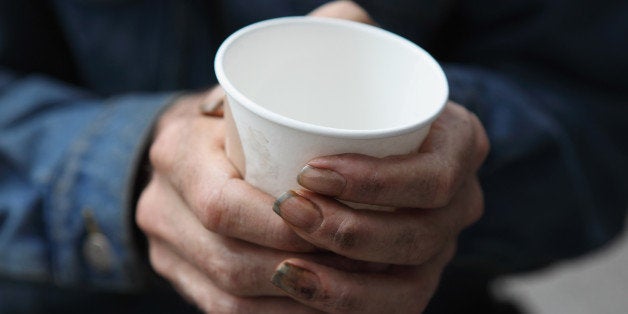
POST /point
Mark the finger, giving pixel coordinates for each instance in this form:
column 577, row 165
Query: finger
column 234, row 266
column 198, row 289
column 347, row 10
column 213, row 103
column 190, row 156
column 409, row 236
column 403, row 290
column 454, row 148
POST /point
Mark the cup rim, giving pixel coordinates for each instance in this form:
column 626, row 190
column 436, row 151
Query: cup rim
column 249, row 104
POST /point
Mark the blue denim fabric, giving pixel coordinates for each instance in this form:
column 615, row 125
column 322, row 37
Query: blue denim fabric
column 82, row 81
column 64, row 151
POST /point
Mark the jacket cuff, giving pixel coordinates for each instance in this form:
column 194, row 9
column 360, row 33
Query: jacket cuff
column 91, row 223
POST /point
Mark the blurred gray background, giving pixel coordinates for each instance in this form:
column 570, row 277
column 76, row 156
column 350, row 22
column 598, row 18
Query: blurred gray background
column 593, row 284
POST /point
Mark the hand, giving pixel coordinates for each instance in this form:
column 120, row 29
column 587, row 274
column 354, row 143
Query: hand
column 437, row 193
column 210, row 234
column 343, row 9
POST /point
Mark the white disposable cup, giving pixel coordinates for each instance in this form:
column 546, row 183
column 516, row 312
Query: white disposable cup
column 303, row 87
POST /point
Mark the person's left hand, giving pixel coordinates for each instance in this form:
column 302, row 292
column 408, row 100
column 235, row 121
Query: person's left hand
column 437, row 194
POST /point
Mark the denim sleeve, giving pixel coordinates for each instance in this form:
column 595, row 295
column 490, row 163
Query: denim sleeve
column 555, row 179
column 64, row 152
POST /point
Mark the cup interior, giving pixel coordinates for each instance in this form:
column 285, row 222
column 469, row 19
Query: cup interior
column 331, row 74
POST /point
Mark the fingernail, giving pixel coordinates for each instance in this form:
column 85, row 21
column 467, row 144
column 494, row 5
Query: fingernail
column 296, row 281
column 298, row 211
column 323, row 181
column 213, row 108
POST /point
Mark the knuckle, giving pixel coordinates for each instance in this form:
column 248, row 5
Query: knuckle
column 369, row 186
column 209, row 215
column 347, row 236
column 145, row 210
column 159, row 154
column 211, row 208
column 157, row 259
column 366, row 181
column 344, row 240
column 445, row 186
column 483, row 145
column 230, row 278
column 476, row 206
column 142, row 215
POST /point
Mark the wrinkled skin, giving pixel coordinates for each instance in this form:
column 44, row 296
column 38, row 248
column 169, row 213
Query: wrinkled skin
column 218, row 241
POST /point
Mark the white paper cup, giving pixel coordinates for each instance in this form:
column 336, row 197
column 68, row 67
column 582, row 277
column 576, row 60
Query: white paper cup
column 302, row 87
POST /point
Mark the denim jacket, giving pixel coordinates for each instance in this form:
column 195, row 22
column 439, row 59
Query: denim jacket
column 82, row 81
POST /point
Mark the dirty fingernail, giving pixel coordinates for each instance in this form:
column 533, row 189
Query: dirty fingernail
column 323, row 181
column 296, row 281
column 298, row 211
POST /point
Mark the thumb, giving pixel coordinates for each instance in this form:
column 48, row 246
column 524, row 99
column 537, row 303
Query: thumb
column 343, row 9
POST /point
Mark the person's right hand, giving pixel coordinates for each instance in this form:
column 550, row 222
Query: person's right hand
column 213, row 236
